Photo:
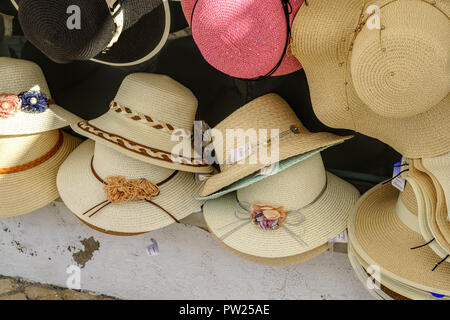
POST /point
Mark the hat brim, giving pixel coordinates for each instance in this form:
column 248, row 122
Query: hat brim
column 380, row 238
column 140, row 42
column 290, row 146
column 80, row 191
column 25, row 191
column 324, row 219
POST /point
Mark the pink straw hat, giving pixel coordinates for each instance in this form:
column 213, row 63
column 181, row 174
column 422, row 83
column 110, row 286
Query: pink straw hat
column 246, row 38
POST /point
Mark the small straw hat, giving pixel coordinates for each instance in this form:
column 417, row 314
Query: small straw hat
column 26, row 105
column 118, row 194
column 384, row 232
column 284, row 215
column 148, row 112
column 246, row 38
column 112, row 32
column 390, row 83
column 28, row 168
column 266, row 113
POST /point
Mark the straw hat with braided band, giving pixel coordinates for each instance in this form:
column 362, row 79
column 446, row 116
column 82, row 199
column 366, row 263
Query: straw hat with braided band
column 246, row 38
column 115, row 193
column 384, row 230
column 390, row 83
column 266, row 113
column 150, row 119
column 26, row 106
column 28, row 168
column 284, row 215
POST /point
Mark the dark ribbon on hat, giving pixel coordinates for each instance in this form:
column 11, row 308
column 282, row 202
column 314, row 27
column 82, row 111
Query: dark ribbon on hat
column 287, row 9
column 119, row 190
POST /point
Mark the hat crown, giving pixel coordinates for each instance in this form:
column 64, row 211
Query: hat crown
column 404, row 68
column 20, row 76
column 265, row 117
column 19, row 150
column 108, row 162
column 293, row 188
column 159, row 97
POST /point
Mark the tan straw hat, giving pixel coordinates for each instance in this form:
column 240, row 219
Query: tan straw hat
column 28, row 168
column 121, row 195
column 284, row 136
column 284, row 215
column 147, row 114
column 439, row 168
column 26, row 106
column 384, row 232
column 384, row 73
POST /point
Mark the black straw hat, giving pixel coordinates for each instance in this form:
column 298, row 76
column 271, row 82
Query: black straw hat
column 114, row 32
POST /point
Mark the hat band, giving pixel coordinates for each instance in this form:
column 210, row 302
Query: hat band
column 117, row 14
column 265, row 221
column 32, row 101
column 138, row 148
column 147, row 120
column 119, row 190
column 37, row 161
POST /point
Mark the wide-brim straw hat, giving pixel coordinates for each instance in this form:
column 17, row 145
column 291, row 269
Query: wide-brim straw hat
column 264, row 113
column 20, row 76
column 84, row 194
column 383, row 229
column 28, row 168
column 390, row 83
column 244, row 39
column 318, row 203
column 144, row 120
column 117, row 33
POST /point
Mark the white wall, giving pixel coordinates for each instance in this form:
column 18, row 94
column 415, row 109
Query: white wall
column 191, row 265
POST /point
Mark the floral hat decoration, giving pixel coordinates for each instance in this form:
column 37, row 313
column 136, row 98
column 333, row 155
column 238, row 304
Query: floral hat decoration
column 26, row 106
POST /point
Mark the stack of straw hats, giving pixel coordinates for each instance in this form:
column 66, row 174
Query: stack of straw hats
column 31, row 141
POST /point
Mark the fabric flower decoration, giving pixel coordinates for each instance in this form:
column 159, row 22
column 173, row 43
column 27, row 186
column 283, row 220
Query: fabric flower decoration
column 34, row 101
column 119, row 190
column 268, row 217
column 9, row 105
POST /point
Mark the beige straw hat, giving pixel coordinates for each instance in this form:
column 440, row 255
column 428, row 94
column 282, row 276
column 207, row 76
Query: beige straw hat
column 121, row 195
column 266, row 113
column 26, row 106
column 148, row 112
column 439, row 168
column 384, row 232
column 284, row 215
column 388, row 80
column 28, row 168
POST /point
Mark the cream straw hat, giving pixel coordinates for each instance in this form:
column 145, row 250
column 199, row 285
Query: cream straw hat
column 266, row 113
column 28, row 167
column 144, row 196
column 390, row 83
column 18, row 114
column 383, row 231
column 148, row 112
column 299, row 208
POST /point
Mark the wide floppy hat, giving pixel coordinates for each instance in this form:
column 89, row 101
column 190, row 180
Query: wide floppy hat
column 388, row 80
column 113, row 32
column 28, row 168
column 121, row 195
column 269, row 113
column 244, row 39
column 284, row 215
column 26, row 104
column 150, row 119
column 384, row 230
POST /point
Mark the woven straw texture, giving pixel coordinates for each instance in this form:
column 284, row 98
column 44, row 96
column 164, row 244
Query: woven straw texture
column 243, row 39
column 80, row 190
column 31, row 189
column 159, row 97
column 293, row 188
column 439, row 167
column 264, row 113
column 380, row 238
column 405, row 88
column 19, row 76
